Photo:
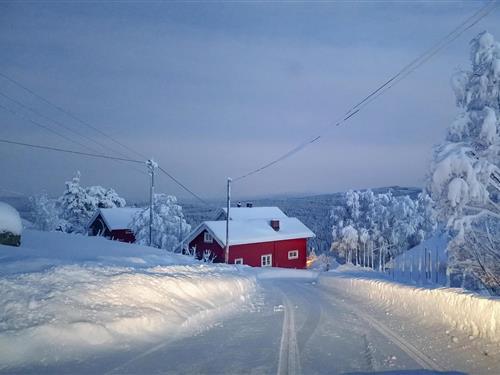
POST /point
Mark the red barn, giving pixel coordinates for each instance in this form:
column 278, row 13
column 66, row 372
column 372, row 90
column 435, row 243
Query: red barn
column 257, row 242
column 113, row 223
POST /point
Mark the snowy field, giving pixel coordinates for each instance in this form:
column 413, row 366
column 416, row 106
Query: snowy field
column 67, row 297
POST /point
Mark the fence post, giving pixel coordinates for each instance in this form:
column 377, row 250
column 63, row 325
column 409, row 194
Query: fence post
column 420, row 266
column 437, row 266
column 411, row 268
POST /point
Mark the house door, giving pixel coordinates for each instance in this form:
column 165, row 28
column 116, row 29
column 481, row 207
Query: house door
column 266, row 260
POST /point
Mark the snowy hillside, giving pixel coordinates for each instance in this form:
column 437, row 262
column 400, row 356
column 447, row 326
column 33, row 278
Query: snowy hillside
column 69, row 296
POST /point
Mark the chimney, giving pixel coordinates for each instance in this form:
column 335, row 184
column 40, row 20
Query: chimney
column 249, row 204
column 275, row 224
column 238, row 204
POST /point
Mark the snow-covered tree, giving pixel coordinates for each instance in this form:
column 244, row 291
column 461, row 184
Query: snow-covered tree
column 105, row 198
column 45, row 213
column 465, row 172
column 77, row 204
column 365, row 221
column 169, row 224
column 349, row 244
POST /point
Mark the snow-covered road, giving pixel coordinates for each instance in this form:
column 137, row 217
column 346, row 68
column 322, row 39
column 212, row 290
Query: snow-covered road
column 304, row 326
column 77, row 304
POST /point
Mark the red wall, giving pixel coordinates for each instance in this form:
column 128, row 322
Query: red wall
column 99, row 228
column 251, row 252
column 123, row 235
column 201, row 246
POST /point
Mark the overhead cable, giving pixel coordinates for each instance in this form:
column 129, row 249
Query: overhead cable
column 71, row 115
column 383, row 88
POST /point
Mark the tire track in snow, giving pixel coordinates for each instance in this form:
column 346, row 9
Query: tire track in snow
column 415, row 354
column 313, row 318
column 289, row 356
column 369, row 354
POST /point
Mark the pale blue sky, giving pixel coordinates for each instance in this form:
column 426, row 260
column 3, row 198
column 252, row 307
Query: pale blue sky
column 213, row 89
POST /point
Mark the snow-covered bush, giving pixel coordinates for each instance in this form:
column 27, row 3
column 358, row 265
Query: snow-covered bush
column 321, row 262
column 169, row 225
column 77, row 204
column 465, row 171
column 11, row 225
column 208, row 256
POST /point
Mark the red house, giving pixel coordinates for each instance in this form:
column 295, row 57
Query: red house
column 113, row 223
column 279, row 241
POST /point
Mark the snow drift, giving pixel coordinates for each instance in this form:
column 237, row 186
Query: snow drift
column 87, row 303
column 476, row 315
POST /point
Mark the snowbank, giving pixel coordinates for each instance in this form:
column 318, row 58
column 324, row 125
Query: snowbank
column 41, row 250
column 476, row 315
column 70, row 296
column 10, row 221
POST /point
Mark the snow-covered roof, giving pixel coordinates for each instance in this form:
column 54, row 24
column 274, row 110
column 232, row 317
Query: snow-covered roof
column 116, row 218
column 10, row 221
column 253, row 231
column 250, row 213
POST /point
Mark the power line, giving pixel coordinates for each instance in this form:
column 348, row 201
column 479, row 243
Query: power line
column 47, row 128
column 483, row 12
column 59, row 108
column 60, row 124
column 410, row 67
column 70, row 114
column 101, row 156
column 184, row 186
column 42, row 147
column 16, row 113
column 80, row 144
column 383, row 88
column 22, row 115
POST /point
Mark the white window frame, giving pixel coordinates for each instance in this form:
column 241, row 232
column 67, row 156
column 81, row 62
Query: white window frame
column 207, row 237
column 238, row 261
column 266, row 257
column 293, row 254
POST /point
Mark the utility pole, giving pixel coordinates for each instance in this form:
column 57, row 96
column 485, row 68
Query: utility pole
column 152, row 165
column 229, row 180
